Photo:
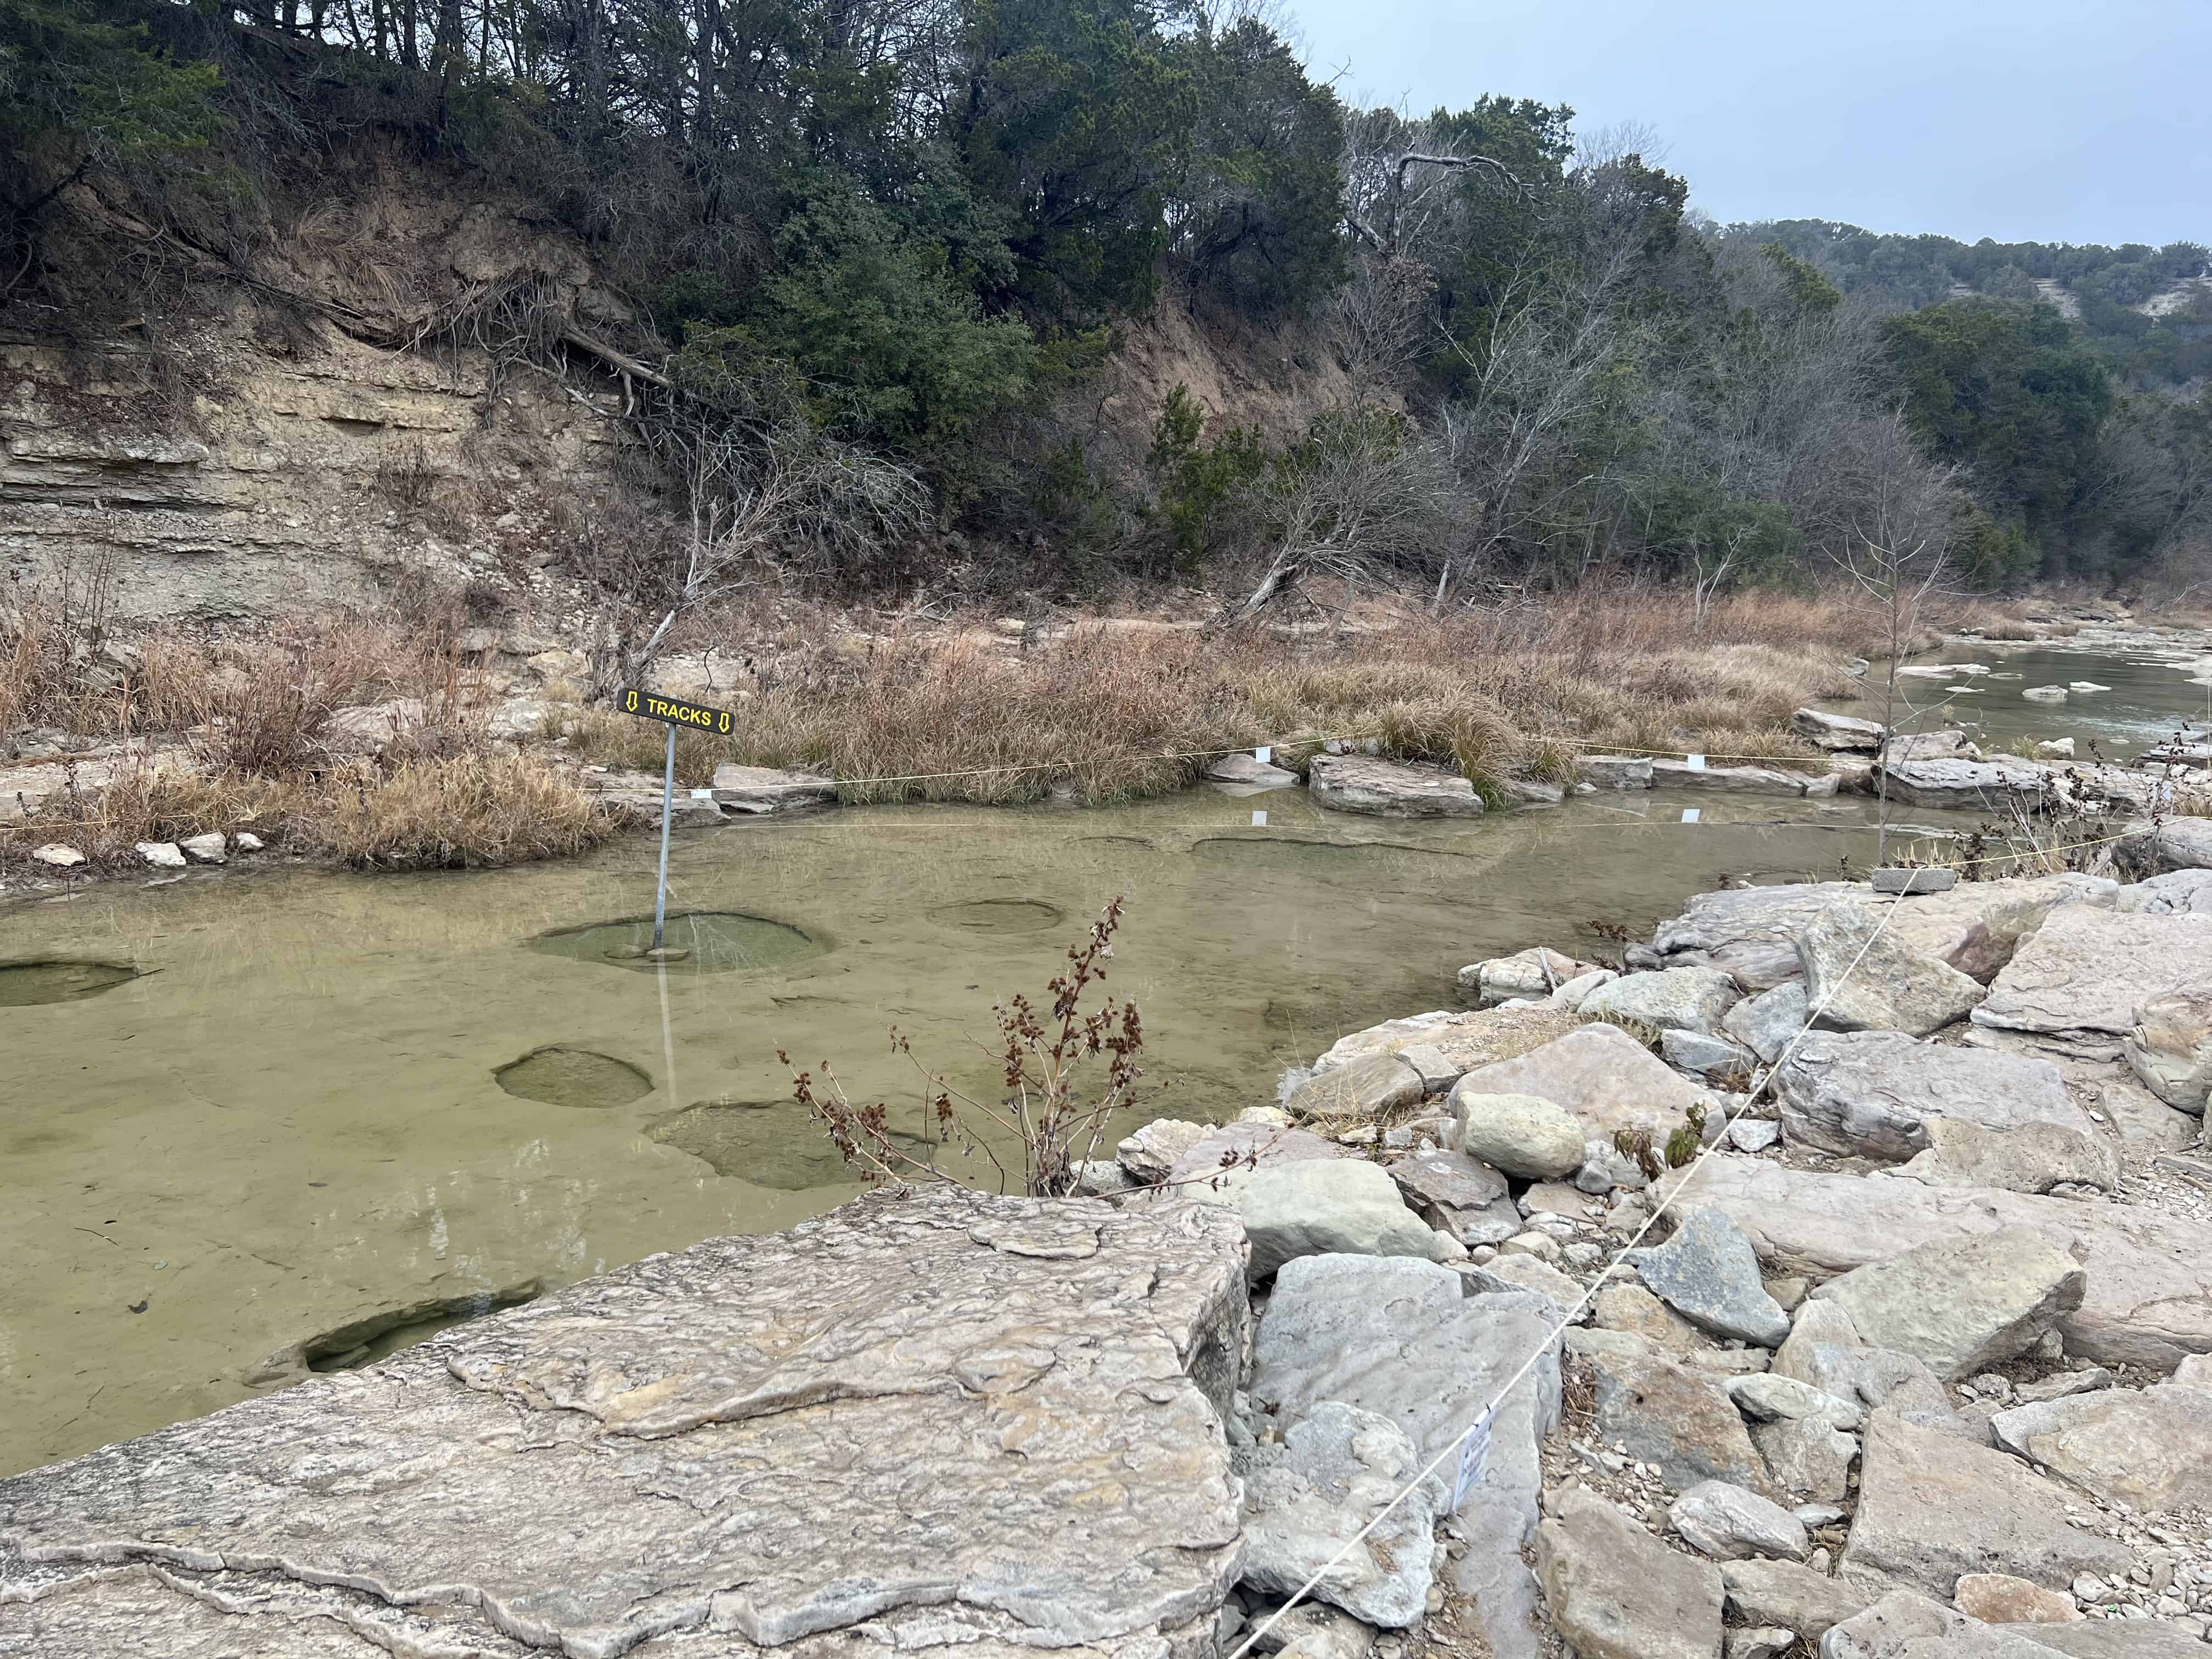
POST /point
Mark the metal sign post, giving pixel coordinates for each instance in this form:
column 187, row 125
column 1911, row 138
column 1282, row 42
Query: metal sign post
column 667, row 800
column 651, row 706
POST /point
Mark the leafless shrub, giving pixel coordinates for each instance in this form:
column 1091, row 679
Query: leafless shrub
column 1046, row 1112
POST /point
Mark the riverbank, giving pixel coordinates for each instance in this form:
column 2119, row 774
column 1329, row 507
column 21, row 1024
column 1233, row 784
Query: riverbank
column 383, row 743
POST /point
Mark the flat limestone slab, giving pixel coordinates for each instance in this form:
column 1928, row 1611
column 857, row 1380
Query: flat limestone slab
column 2149, row 1297
column 980, row 1423
column 2087, row 970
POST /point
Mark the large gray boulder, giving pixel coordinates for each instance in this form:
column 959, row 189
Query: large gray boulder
column 1215, row 1164
column 2087, row 970
column 1604, row 1077
column 1708, row 1273
column 1977, row 926
column 1768, row 1397
column 1766, row 1024
column 1964, row 786
column 2150, row 1449
column 1327, row 1207
column 1871, row 1094
column 1727, row 779
column 2148, row 1301
column 1931, row 1507
column 1806, row 1458
column 1962, row 1304
column 1389, row 789
column 1148, row 1153
column 1400, row 1339
column 1674, row 998
column 1859, row 975
column 1616, row 1592
column 1974, row 927
column 1750, row 931
column 1373, row 1085
column 1309, row 1495
column 1535, row 973
column 2169, row 1045
column 722, row 1448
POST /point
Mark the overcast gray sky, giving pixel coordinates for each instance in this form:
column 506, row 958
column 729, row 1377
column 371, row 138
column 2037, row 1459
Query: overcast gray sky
column 2087, row 121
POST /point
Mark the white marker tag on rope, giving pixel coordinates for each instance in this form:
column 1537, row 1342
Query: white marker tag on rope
column 703, row 795
column 1690, row 814
column 1259, row 819
column 1473, row 1460
column 1264, row 753
column 1697, row 762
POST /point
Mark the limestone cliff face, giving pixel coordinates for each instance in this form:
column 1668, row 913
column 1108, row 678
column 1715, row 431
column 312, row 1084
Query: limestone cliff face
column 279, row 441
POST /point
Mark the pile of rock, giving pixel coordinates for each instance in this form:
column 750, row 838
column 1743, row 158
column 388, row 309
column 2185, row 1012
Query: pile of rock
column 1927, row 1376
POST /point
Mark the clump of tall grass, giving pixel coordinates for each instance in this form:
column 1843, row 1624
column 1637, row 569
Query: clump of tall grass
column 457, row 813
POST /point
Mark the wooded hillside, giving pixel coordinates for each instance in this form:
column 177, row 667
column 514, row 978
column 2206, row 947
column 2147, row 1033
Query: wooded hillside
column 868, row 260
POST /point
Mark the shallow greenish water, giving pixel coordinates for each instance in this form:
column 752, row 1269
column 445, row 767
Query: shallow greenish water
column 291, row 1127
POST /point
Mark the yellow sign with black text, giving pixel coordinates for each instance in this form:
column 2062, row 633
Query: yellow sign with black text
column 652, row 706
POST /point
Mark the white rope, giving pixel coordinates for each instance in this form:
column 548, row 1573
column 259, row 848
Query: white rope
column 1567, row 1319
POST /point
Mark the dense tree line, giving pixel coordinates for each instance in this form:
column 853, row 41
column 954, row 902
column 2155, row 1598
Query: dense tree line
column 878, row 250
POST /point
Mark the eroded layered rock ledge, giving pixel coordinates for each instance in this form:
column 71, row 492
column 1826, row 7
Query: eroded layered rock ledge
column 926, row 1420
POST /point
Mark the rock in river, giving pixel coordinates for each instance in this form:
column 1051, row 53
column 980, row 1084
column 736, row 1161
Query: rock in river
column 879, row 1419
column 1390, row 789
column 762, row 789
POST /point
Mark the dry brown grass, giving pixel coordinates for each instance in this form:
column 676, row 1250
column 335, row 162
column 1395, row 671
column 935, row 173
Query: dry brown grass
column 461, row 813
column 255, row 719
column 1512, row 693
column 451, row 812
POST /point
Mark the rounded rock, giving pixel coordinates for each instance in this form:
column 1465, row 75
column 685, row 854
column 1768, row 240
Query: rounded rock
column 1524, row 1135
